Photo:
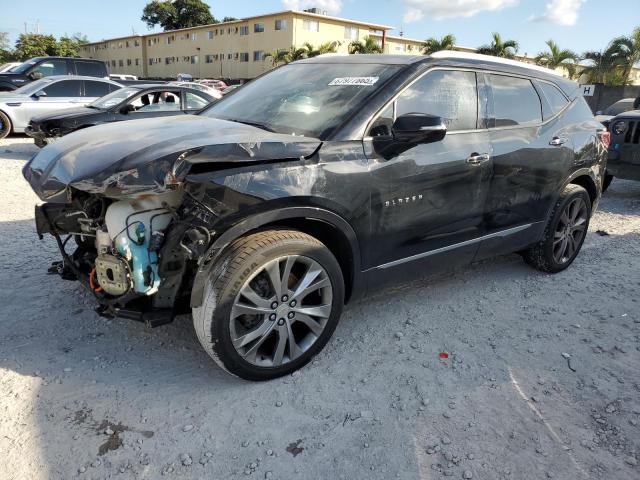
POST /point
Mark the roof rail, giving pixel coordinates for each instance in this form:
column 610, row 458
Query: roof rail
column 505, row 61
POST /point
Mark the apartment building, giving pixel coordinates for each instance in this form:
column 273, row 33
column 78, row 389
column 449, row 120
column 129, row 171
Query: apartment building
column 233, row 50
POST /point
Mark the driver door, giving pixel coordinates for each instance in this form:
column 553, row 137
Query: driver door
column 427, row 203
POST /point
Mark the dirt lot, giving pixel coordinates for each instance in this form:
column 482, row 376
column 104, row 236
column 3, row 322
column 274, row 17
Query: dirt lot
column 542, row 379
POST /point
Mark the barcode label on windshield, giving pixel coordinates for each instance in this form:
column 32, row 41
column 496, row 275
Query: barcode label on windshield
column 364, row 81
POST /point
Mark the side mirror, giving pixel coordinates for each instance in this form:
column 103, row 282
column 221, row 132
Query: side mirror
column 126, row 109
column 408, row 131
column 40, row 93
column 416, row 128
column 36, row 75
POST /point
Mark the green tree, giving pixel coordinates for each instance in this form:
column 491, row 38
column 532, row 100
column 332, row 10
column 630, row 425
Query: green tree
column 327, row 47
column 555, row 57
column 604, row 67
column 287, row 56
column 229, row 19
column 433, row 45
column 34, row 45
column 6, row 55
column 68, row 46
column 499, row 48
column 369, row 45
column 626, row 50
column 175, row 14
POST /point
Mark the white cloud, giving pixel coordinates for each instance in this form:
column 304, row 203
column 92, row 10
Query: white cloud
column 416, row 10
column 561, row 12
column 332, row 7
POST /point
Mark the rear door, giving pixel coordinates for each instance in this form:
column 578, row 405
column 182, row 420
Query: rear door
column 532, row 153
column 430, row 198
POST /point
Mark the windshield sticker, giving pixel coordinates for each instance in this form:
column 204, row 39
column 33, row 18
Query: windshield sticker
column 364, row 81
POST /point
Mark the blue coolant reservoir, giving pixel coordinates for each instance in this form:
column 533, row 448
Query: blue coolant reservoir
column 131, row 225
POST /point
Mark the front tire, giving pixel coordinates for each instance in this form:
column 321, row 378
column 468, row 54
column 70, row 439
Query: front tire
column 5, row 125
column 271, row 304
column 565, row 232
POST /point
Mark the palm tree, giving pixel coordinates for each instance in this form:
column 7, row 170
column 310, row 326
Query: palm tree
column 499, row 48
column 555, row 58
column 603, row 66
column 327, row 47
column 278, row 57
column 627, row 52
column 433, row 45
column 287, row 56
column 370, row 45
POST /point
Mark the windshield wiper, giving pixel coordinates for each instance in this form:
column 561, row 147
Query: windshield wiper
column 253, row 124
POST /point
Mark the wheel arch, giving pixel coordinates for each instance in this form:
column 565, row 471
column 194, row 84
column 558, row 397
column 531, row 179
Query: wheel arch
column 328, row 227
column 585, row 179
column 11, row 123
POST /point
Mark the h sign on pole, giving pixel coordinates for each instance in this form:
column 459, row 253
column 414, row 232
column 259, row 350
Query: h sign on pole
column 588, row 90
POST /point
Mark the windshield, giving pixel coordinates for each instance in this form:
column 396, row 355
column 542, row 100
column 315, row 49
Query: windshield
column 114, row 98
column 619, row 107
column 33, row 87
column 24, row 67
column 304, row 99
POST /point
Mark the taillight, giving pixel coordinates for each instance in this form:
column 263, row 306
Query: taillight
column 605, row 138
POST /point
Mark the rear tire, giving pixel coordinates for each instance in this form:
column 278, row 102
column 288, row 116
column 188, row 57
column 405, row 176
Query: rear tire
column 565, row 232
column 271, row 304
column 5, row 125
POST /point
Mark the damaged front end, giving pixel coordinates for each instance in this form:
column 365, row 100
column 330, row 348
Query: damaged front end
column 139, row 229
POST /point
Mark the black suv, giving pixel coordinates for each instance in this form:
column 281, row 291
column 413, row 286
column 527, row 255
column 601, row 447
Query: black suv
column 314, row 184
column 624, row 151
column 39, row 67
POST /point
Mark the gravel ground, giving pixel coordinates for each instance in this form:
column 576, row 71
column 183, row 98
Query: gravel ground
column 541, row 380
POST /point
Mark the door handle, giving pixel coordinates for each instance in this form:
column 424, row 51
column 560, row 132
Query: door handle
column 478, row 158
column 557, row 141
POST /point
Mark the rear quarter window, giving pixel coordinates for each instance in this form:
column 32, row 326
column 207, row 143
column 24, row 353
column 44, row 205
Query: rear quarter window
column 555, row 100
column 515, row 102
column 90, row 69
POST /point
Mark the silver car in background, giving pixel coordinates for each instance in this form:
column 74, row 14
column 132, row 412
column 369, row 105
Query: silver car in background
column 47, row 95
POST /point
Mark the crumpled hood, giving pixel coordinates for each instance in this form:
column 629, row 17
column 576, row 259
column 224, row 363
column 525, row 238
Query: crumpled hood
column 133, row 157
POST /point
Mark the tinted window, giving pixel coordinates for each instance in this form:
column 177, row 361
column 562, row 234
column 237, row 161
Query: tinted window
column 195, row 102
column 451, row 95
column 90, row 69
column 52, row 67
column 619, row 107
column 160, row 101
column 95, row 89
column 64, row 88
column 556, row 100
column 515, row 101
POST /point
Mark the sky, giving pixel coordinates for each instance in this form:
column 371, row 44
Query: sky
column 579, row 25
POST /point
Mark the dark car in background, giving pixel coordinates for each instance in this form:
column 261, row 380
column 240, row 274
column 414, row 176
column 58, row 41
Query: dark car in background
column 39, row 67
column 315, row 183
column 128, row 103
column 624, row 151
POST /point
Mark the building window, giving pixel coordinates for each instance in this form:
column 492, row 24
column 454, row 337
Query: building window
column 195, row 59
column 258, row 56
column 236, row 56
column 113, row 63
column 210, row 34
column 128, row 62
column 119, row 44
column 194, row 36
column 244, row 57
column 401, row 47
column 351, row 33
column 136, row 43
column 222, row 31
column 126, row 44
column 258, row 27
column 169, row 40
column 151, row 61
column 229, row 56
column 244, row 30
column 281, row 24
column 168, row 60
column 311, row 25
column 208, row 59
column 137, row 62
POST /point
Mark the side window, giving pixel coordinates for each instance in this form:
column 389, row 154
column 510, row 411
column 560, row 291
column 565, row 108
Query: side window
column 450, row 94
column 515, row 101
column 159, row 101
column 90, row 69
column 556, row 100
column 95, row 89
column 64, row 88
column 195, row 101
column 52, row 67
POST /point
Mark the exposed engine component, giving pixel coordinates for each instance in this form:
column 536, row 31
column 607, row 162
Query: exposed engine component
column 113, row 274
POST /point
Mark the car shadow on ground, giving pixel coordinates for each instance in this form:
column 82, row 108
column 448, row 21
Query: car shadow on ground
column 111, row 396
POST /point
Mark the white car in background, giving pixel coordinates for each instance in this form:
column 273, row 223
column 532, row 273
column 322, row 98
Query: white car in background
column 215, row 93
column 122, row 76
column 57, row 92
column 6, row 67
